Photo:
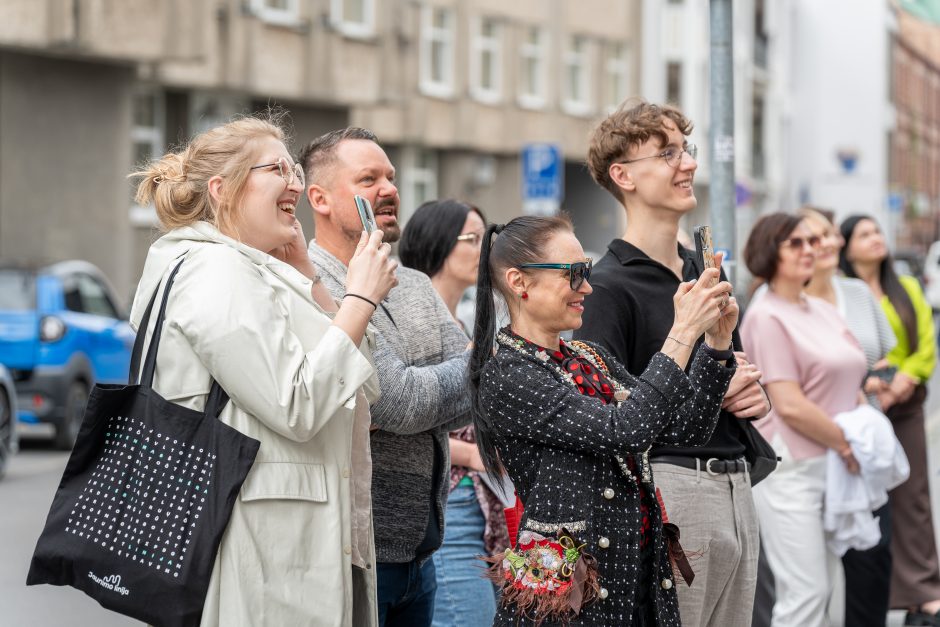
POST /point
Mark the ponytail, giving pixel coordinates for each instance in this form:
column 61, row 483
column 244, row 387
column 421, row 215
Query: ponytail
column 521, row 240
column 484, row 336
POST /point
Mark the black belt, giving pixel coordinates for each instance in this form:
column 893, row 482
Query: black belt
column 712, row 465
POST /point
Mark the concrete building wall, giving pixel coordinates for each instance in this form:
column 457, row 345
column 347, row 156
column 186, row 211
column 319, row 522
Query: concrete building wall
column 63, row 157
column 83, row 64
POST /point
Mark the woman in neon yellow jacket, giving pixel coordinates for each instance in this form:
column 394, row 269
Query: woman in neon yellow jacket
column 915, row 577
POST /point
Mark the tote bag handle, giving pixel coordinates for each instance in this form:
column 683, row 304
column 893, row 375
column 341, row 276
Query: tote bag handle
column 217, row 398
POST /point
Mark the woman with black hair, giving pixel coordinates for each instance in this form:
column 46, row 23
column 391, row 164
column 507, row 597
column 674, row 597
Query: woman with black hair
column 442, row 239
column 571, row 427
column 915, row 577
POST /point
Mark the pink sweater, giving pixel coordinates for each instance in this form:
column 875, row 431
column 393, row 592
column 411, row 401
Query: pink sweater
column 807, row 343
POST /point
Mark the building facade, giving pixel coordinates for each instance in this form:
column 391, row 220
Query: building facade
column 90, row 89
column 675, row 68
column 914, row 170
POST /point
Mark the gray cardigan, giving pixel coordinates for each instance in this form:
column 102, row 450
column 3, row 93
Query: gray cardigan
column 421, row 358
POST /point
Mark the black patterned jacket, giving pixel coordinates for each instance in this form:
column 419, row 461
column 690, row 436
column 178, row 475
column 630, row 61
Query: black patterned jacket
column 559, row 449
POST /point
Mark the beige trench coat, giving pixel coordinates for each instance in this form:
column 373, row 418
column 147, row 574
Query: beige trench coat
column 300, row 387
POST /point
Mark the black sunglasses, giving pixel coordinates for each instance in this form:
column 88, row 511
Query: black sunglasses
column 578, row 272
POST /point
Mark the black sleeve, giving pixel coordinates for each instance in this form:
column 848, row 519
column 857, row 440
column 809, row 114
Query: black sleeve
column 607, row 321
column 697, row 416
column 526, row 402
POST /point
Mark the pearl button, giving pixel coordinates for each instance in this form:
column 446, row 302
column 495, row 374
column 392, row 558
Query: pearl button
column 667, row 583
column 603, row 542
column 346, row 473
column 608, row 493
column 602, row 593
column 347, row 549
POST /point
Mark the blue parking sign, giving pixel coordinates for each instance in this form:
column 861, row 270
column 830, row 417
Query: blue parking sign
column 542, row 178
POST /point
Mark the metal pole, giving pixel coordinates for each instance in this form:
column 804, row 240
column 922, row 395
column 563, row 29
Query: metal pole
column 721, row 192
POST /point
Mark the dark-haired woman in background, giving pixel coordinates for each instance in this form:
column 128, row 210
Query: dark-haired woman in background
column 442, row 239
column 572, row 427
column 915, row 577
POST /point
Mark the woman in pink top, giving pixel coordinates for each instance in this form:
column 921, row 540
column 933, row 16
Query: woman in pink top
column 813, row 369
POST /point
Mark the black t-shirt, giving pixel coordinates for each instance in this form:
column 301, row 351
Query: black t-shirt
column 630, row 312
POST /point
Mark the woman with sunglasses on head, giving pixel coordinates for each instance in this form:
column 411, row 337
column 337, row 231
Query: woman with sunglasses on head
column 571, row 427
column 915, row 574
column 442, row 239
column 813, row 369
column 247, row 310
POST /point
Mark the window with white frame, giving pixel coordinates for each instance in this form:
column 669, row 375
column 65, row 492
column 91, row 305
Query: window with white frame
column 148, row 124
column 577, row 99
column 419, row 178
column 437, row 51
column 486, row 61
column 618, row 74
column 353, row 18
column 283, row 12
column 532, row 70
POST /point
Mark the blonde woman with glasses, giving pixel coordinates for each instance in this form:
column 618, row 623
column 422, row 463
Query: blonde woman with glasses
column 247, row 310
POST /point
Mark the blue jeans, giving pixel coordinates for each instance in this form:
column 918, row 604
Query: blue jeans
column 406, row 594
column 464, row 598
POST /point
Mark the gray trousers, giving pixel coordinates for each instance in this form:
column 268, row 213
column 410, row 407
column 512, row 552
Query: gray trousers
column 718, row 526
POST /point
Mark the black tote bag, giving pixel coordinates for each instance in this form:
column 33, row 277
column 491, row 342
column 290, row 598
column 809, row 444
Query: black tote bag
column 145, row 497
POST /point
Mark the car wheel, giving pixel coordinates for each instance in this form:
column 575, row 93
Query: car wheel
column 6, row 432
column 67, row 430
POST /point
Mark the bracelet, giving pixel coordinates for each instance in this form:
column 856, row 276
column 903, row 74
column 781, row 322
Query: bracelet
column 716, row 354
column 374, row 306
column 669, row 337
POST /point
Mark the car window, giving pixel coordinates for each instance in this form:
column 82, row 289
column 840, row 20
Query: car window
column 94, row 298
column 17, row 290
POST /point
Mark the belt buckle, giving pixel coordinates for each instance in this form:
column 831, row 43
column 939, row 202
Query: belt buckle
column 708, row 466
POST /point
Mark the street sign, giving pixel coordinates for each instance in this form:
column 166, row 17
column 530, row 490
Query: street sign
column 895, row 202
column 543, row 171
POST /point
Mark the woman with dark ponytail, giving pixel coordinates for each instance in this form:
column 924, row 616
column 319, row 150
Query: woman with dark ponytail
column 571, row 427
column 915, row 576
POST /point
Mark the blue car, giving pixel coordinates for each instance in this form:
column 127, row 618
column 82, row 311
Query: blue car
column 61, row 332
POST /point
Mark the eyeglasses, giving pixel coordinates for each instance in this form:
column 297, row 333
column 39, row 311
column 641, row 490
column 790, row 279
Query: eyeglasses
column 474, row 238
column 797, row 243
column 672, row 156
column 287, row 171
column 578, row 272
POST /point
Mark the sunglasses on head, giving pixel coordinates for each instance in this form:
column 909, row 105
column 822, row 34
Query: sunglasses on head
column 797, row 243
column 578, row 272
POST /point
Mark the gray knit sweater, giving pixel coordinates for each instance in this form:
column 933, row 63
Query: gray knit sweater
column 421, row 357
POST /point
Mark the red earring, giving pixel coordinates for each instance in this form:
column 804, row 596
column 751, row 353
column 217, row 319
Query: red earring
column 525, row 295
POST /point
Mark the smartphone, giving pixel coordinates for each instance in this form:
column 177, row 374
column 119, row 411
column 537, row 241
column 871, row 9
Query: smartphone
column 885, row 374
column 704, row 248
column 366, row 216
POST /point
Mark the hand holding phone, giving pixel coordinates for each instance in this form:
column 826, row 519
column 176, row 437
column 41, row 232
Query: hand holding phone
column 366, row 215
column 885, row 374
